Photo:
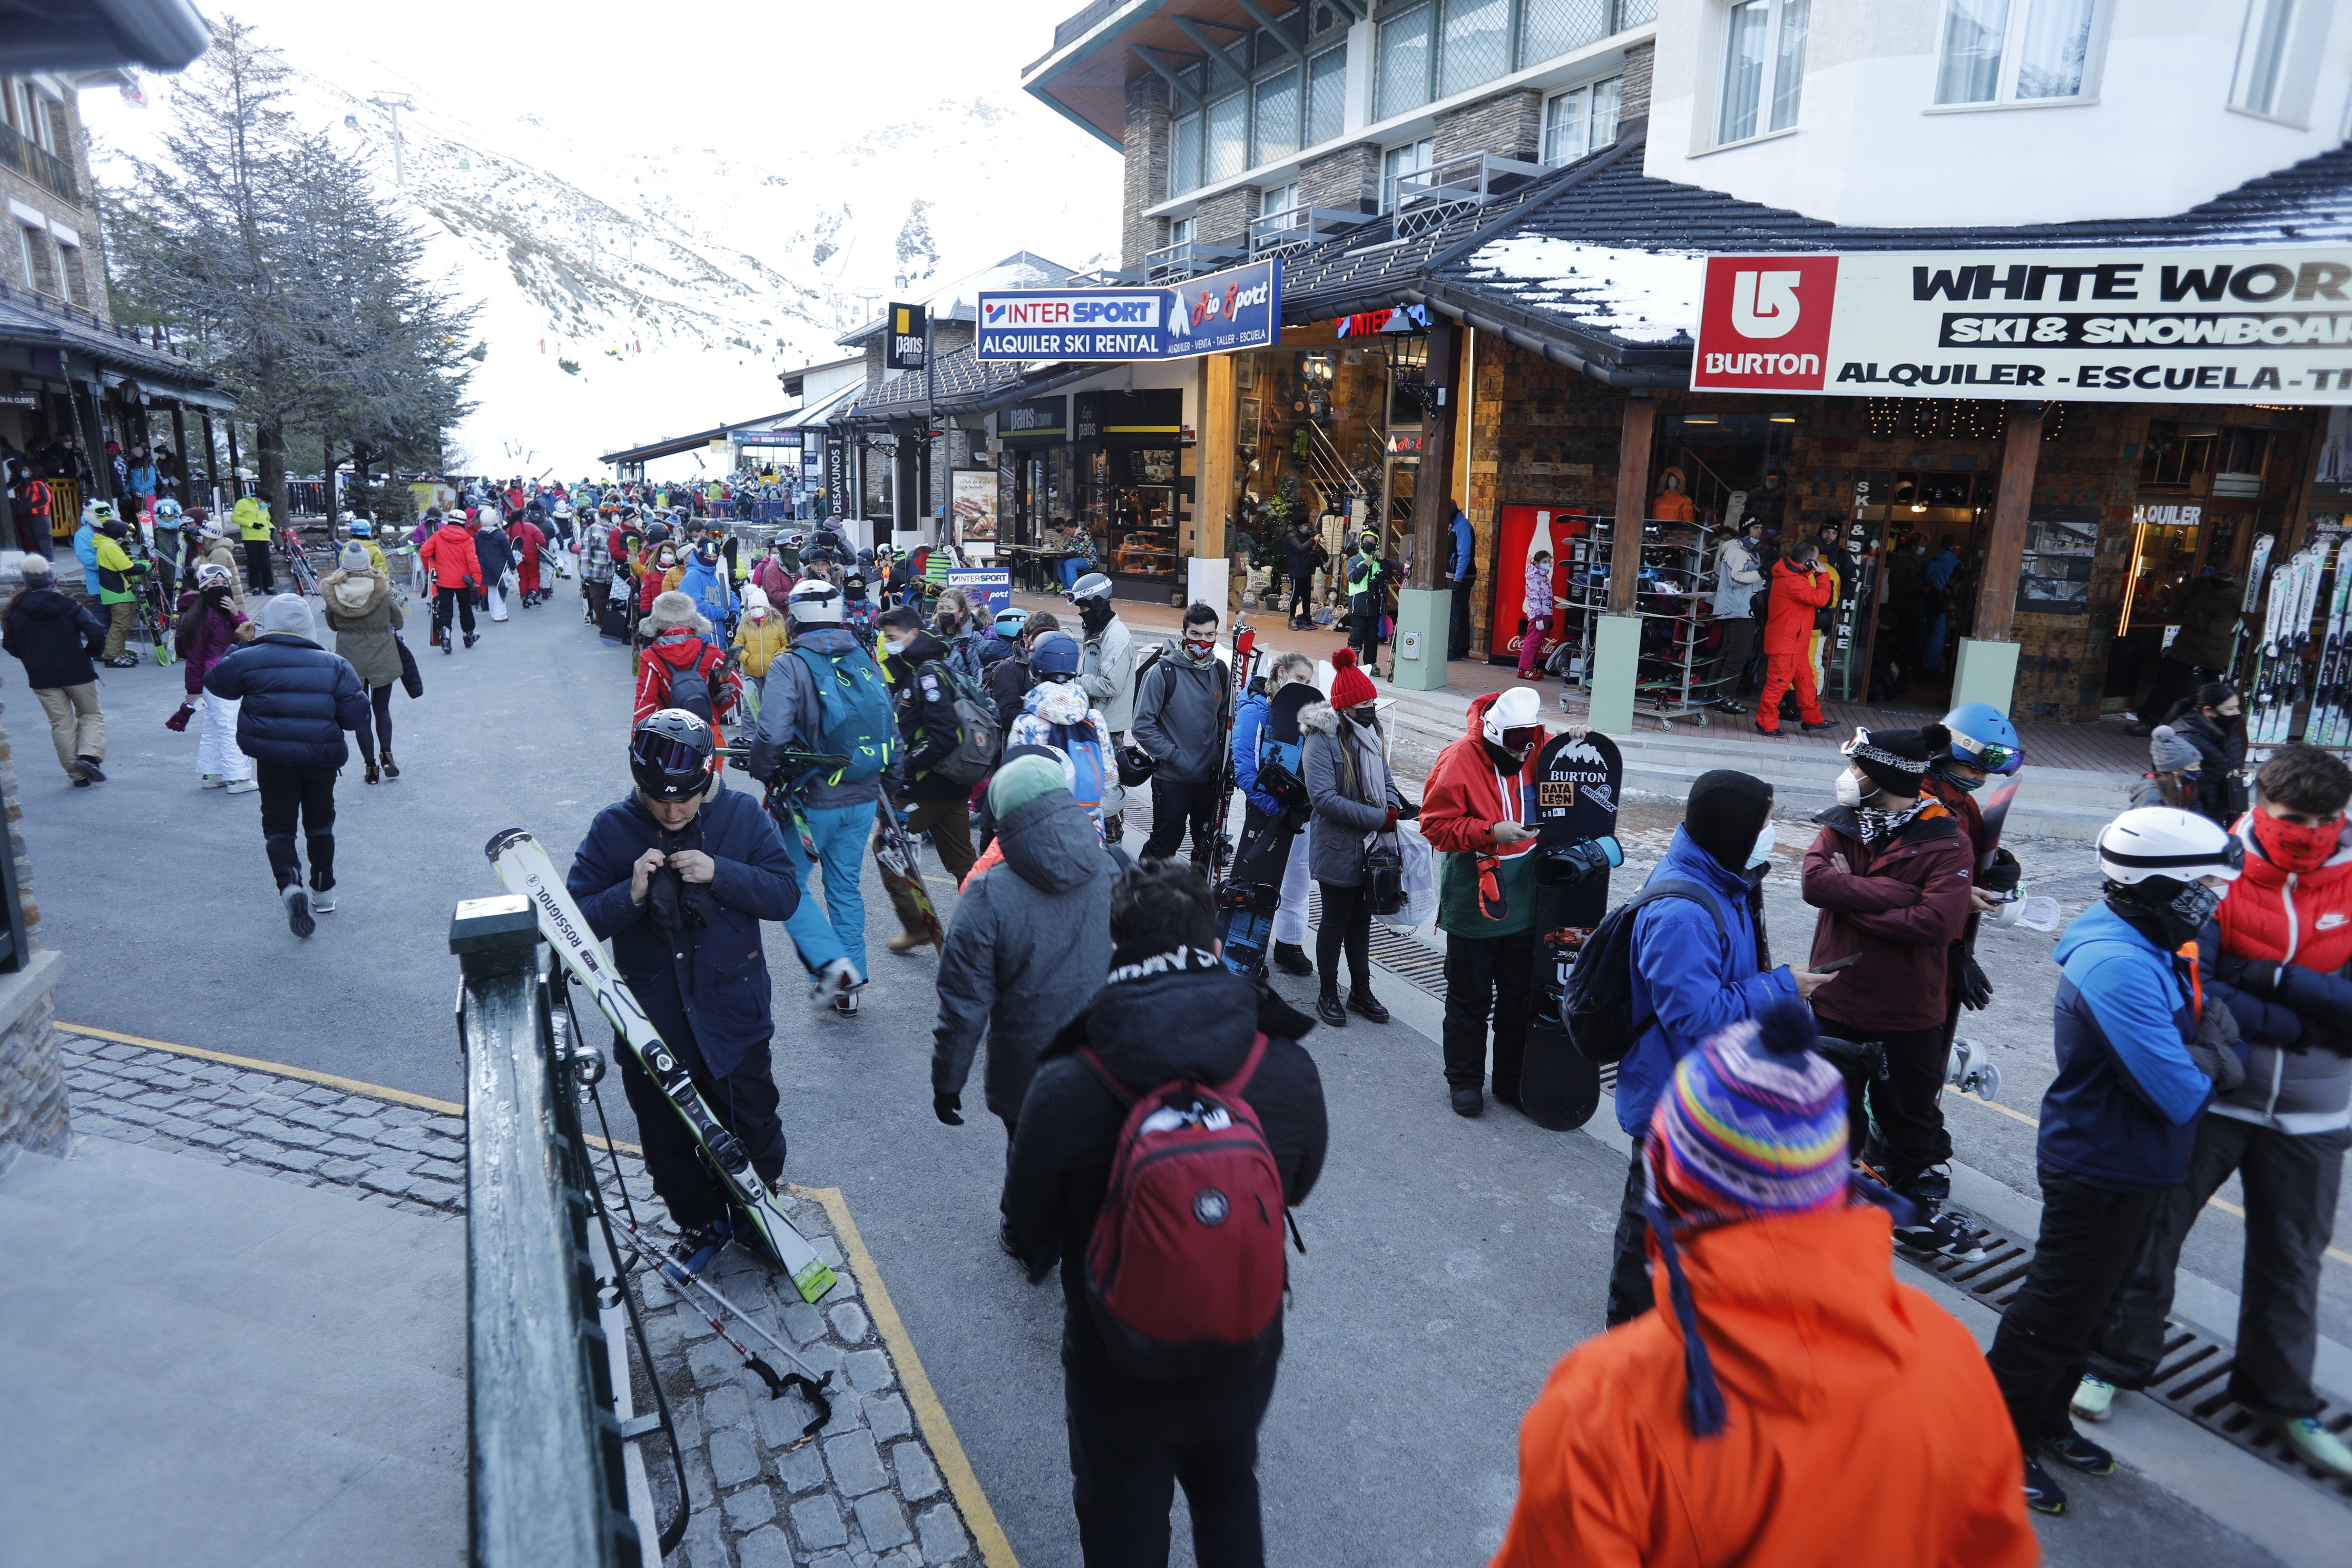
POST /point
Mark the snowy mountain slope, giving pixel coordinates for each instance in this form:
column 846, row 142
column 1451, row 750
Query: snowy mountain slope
column 637, row 286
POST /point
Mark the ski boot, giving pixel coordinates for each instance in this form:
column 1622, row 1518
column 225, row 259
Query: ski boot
column 1972, row 1070
column 695, row 1248
column 1934, row 1229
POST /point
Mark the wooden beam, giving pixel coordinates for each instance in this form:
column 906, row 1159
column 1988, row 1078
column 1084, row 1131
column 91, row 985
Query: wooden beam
column 1281, row 36
column 2020, row 454
column 1212, row 506
column 1432, row 486
column 1632, row 502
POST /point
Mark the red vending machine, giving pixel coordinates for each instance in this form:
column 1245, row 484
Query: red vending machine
column 1520, row 531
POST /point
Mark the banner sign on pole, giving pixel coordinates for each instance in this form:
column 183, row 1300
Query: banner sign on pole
column 2118, row 324
column 902, row 347
column 1223, row 313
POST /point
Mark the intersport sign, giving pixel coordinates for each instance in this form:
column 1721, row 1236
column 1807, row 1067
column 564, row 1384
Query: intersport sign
column 1237, row 309
column 2214, row 324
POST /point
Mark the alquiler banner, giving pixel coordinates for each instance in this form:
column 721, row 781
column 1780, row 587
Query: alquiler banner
column 1223, row 313
column 2214, row 324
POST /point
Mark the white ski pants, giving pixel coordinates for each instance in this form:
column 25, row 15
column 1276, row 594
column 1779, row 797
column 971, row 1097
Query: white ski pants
column 217, row 750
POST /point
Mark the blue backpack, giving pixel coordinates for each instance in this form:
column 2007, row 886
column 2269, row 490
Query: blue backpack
column 1088, row 762
column 855, row 699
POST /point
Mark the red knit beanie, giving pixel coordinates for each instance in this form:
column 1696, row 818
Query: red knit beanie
column 1349, row 685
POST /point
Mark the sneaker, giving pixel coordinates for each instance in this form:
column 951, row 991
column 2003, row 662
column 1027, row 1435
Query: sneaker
column 211, row 781
column 845, row 1005
column 1762, row 731
column 124, row 661
column 297, row 910
column 243, row 786
column 90, row 770
column 1817, row 729
column 1291, row 959
column 1367, row 1004
column 2094, row 1399
column 1332, row 1010
column 2077, row 1452
column 2043, row 1495
column 323, row 900
column 2315, row 1444
column 1468, row 1102
column 907, row 941
column 1942, row 1234
column 837, row 977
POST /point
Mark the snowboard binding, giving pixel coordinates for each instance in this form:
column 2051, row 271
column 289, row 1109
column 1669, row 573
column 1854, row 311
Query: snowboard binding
column 1972, row 1070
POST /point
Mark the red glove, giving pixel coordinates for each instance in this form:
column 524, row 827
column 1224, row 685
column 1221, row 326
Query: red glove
column 1390, row 826
column 178, row 722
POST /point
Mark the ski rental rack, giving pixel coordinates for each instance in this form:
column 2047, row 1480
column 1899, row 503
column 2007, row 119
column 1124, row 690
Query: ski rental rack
column 553, row 1476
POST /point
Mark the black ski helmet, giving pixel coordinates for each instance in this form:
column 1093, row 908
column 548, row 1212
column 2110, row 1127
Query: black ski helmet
column 672, row 755
column 1135, row 766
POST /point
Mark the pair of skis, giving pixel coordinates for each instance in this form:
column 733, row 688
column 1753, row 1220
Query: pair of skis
column 1245, row 671
column 2279, row 680
column 2327, row 725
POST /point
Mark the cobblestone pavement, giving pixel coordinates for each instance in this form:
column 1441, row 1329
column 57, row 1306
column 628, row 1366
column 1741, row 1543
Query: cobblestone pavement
column 867, row 1491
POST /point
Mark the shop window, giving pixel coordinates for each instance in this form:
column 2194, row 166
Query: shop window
column 2175, row 456
column 1327, row 95
column 1474, row 44
column 1403, row 81
column 1184, row 169
column 2017, row 51
column 1408, row 360
column 1763, row 68
column 1227, row 134
column 1581, row 119
column 1278, row 199
column 1398, row 162
column 1274, row 128
column 2267, row 81
column 2238, row 459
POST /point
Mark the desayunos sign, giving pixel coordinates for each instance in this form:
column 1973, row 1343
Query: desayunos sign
column 1241, row 309
column 2219, row 324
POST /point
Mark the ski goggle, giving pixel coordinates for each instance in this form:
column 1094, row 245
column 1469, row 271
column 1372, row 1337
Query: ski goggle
column 666, row 753
column 1522, row 737
column 1991, row 756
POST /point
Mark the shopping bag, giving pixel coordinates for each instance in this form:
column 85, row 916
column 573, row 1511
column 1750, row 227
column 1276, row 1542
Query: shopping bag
column 1417, row 879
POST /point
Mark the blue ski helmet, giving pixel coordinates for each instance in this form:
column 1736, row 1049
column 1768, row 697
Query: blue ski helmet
column 1057, row 653
column 1010, row 621
column 1983, row 737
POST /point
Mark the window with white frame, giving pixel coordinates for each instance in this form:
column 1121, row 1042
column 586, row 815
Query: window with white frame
column 75, row 282
column 1581, row 119
column 2262, row 84
column 1763, row 68
column 1403, row 79
column 1182, row 230
column 2017, row 51
column 40, row 267
column 1273, row 124
column 1398, row 162
column 1278, row 198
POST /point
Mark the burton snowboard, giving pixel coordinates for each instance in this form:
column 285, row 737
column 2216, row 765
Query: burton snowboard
column 1576, row 782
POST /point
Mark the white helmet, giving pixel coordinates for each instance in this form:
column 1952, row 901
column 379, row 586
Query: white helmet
column 2166, row 841
column 1517, row 708
column 813, row 602
column 345, row 518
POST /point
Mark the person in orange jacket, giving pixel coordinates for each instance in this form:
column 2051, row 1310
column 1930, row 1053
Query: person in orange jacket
column 1789, row 1402
column 1800, row 589
column 448, row 555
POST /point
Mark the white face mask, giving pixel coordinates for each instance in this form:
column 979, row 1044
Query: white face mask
column 1850, row 791
column 1762, row 855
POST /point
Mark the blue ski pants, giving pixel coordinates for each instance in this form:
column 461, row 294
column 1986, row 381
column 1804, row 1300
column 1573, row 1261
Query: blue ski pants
column 838, row 929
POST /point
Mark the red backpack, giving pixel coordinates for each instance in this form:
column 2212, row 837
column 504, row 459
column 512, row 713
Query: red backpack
column 1184, row 1271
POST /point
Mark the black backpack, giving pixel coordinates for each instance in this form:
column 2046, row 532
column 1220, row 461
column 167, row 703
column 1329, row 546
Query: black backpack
column 690, row 688
column 1597, row 1004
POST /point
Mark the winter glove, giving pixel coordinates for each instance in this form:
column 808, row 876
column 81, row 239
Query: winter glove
column 1866, row 1057
column 946, row 1107
column 2259, row 976
column 2003, row 874
column 178, row 722
column 1390, row 826
column 1976, row 991
column 1409, row 811
column 2216, row 1050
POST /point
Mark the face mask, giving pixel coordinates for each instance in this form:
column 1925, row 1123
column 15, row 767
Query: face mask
column 1849, row 791
column 1362, row 714
column 1959, row 780
column 895, row 646
column 1762, row 855
column 1200, row 648
column 2294, row 849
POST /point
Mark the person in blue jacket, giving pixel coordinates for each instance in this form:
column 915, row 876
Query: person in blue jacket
column 680, row 875
column 2140, row 1048
column 1462, row 566
column 1268, row 854
column 298, row 700
column 705, row 583
column 1691, row 982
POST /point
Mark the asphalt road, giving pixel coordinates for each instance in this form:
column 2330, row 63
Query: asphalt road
column 1450, row 1263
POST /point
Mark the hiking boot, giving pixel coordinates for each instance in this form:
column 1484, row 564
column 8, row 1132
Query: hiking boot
column 2043, row 1495
column 2094, row 1398
column 1291, row 959
column 2315, row 1444
column 1364, row 1002
column 2077, row 1452
column 1332, row 1010
column 90, row 770
column 297, row 910
column 907, row 941
column 1468, row 1102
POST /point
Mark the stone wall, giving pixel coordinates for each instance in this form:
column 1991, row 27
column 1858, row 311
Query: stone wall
column 1224, row 219
column 1348, row 181
column 1147, row 150
column 1633, row 97
column 33, row 1110
column 1509, row 125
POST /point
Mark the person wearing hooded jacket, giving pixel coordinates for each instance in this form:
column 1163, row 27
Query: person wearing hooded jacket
column 528, row 540
column 1109, row 675
column 1053, row 714
column 457, row 573
column 923, row 697
column 2276, row 954
column 56, row 638
column 1344, row 758
column 210, row 625
column 495, row 549
column 705, row 582
column 677, row 638
column 2212, row 718
column 213, row 546
column 1181, row 709
column 1689, row 982
column 1800, row 588
column 1028, row 944
column 1265, row 729
column 1478, row 809
column 1790, row 1398
column 364, row 614
column 118, row 590
column 1169, row 1010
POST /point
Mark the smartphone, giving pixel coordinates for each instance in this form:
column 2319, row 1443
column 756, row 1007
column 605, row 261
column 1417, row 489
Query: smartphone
column 1834, row 964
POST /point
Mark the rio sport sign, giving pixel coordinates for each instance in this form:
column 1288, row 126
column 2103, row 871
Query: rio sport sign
column 1224, row 311
column 2216, row 324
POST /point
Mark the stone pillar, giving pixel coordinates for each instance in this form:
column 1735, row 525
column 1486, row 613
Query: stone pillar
column 33, row 1110
column 1149, row 144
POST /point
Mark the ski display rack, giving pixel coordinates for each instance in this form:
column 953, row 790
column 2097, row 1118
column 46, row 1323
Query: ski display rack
column 1673, row 680
column 2298, row 683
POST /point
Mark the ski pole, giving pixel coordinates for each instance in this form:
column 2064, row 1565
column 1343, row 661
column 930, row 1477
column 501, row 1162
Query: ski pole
column 811, row 1388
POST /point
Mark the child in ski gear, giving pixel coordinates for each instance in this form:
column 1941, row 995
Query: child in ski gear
column 934, row 803
column 678, row 641
column 703, row 581
column 56, row 638
column 1133, row 1439
column 213, row 546
column 528, row 541
column 1690, row 982
column 364, row 614
column 1479, row 811
column 211, row 624
column 118, row 590
column 1786, row 1349
column 1799, row 587
column 1267, row 746
column 1536, row 604
column 1028, row 944
column 2276, row 955
column 760, row 636
column 1054, row 714
column 2140, row 1048
column 2173, row 764
column 1890, row 873
column 296, row 700
column 680, row 875
column 1344, row 757
column 1183, row 709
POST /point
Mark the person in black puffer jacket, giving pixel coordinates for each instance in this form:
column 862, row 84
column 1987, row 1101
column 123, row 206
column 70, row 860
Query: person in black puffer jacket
column 1170, row 1010
column 297, row 699
column 2213, row 720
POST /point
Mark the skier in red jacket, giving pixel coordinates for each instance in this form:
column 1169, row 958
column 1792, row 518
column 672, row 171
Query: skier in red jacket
column 530, row 538
column 1800, row 588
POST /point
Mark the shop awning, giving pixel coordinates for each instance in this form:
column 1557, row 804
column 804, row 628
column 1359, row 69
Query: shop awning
column 964, row 385
column 694, row 443
column 29, row 319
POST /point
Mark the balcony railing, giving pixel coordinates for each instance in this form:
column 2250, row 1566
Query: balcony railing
column 1295, row 228
column 1427, row 197
column 1186, row 259
column 38, row 165
column 152, row 341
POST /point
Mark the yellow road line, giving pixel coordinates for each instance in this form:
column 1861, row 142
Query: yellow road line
column 994, row 1550
column 946, row 1447
column 2216, row 1201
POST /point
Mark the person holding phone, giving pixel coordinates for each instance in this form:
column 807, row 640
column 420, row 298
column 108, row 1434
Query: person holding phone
column 1890, row 873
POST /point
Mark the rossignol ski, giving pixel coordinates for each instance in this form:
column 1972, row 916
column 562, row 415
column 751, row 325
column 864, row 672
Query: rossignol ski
column 523, row 866
column 2327, row 684
column 2257, row 561
column 1245, row 670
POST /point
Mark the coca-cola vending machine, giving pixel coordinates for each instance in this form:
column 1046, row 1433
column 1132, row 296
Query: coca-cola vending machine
column 1520, row 531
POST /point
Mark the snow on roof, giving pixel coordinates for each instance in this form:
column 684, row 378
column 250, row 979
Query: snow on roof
column 1635, row 296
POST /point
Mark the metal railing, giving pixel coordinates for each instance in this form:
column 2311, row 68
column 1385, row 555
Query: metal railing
column 1295, row 228
column 38, row 165
column 548, row 1473
column 1186, row 259
column 49, row 304
column 1427, row 197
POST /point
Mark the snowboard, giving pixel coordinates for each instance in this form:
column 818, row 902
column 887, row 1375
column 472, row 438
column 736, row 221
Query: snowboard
column 1576, row 783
